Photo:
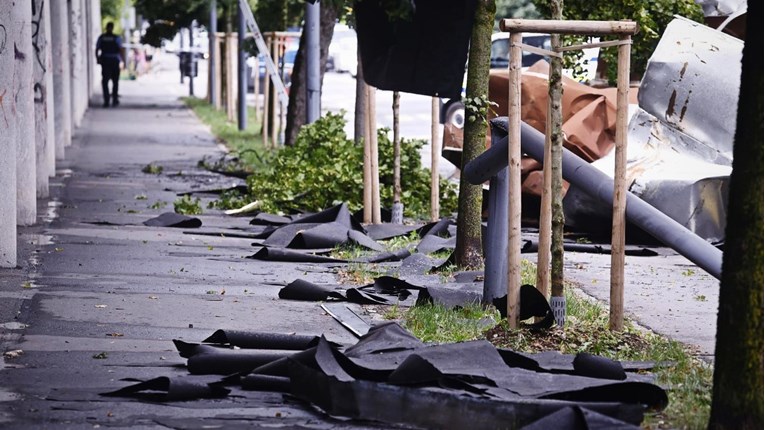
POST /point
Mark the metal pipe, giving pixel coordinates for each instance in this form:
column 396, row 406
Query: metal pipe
column 313, row 75
column 242, row 71
column 495, row 272
column 212, row 31
column 599, row 185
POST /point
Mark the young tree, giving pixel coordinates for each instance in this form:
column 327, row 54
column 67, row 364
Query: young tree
column 737, row 396
column 468, row 252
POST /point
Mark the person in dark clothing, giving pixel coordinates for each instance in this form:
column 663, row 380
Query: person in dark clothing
column 109, row 56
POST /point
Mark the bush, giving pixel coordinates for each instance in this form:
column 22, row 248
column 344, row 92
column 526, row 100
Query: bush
column 324, row 168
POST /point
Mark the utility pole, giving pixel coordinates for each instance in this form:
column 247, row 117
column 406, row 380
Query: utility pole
column 212, row 30
column 313, row 74
column 192, row 60
column 242, row 69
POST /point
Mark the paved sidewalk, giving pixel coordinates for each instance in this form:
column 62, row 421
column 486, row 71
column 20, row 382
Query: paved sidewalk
column 87, row 289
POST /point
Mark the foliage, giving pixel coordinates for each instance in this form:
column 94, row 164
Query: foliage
column 324, row 168
column 188, row 206
column 279, row 15
column 515, row 9
column 652, row 17
column 152, row 169
column 245, row 145
column 112, row 8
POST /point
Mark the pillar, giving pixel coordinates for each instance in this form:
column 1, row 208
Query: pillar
column 79, row 74
column 62, row 95
column 7, row 140
column 26, row 188
column 43, row 96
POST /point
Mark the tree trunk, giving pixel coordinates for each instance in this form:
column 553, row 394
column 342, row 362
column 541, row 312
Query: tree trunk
column 737, row 396
column 557, row 301
column 468, row 252
column 296, row 110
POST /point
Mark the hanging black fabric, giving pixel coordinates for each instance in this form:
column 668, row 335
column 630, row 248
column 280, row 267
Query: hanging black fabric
column 422, row 54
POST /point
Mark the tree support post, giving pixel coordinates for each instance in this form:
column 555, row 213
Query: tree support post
column 514, row 182
column 515, row 27
column 241, row 70
column 435, row 155
column 616, row 312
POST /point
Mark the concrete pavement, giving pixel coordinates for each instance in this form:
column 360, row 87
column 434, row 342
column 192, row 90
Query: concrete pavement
column 94, row 282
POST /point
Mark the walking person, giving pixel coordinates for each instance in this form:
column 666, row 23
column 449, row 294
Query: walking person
column 109, row 56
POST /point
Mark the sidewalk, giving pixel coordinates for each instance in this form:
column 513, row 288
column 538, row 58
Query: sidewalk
column 104, row 285
column 98, row 296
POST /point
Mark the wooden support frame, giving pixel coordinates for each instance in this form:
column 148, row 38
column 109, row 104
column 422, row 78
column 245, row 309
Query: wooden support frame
column 625, row 29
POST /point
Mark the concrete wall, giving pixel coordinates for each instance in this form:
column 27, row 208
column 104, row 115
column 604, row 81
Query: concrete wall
column 26, row 188
column 46, row 79
column 7, row 140
column 95, row 31
column 43, row 96
column 61, row 64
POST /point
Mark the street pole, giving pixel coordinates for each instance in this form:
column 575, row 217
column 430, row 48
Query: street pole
column 180, row 51
column 242, row 70
column 313, row 76
column 212, row 30
column 192, row 59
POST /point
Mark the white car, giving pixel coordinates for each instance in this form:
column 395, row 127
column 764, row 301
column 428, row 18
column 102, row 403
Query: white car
column 342, row 50
column 500, row 45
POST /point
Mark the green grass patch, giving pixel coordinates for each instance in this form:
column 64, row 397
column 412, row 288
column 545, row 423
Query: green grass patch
column 188, row 206
column 687, row 379
column 247, row 144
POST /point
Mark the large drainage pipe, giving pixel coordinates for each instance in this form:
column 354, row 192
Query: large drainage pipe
column 599, row 185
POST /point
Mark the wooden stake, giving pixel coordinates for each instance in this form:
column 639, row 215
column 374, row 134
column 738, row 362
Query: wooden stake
column 231, row 78
column 220, row 46
column 256, row 83
column 435, row 155
column 367, row 161
column 616, row 314
column 568, row 26
column 514, row 182
column 373, row 150
column 274, row 100
column 266, row 101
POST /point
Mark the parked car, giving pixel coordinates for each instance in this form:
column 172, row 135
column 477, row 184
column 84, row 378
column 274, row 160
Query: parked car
column 285, row 65
column 342, row 51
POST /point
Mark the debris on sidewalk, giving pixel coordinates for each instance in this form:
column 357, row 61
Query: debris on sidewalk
column 172, row 219
column 456, row 385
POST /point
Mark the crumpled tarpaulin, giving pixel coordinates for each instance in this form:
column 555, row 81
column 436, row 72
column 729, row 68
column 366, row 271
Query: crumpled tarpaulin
column 388, row 290
column 589, row 117
column 390, row 376
column 172, row 219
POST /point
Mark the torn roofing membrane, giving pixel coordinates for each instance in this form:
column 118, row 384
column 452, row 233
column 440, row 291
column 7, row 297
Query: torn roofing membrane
column 391, row 376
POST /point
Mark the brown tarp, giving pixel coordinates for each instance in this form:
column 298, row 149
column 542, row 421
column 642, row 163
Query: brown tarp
column 589, row 116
